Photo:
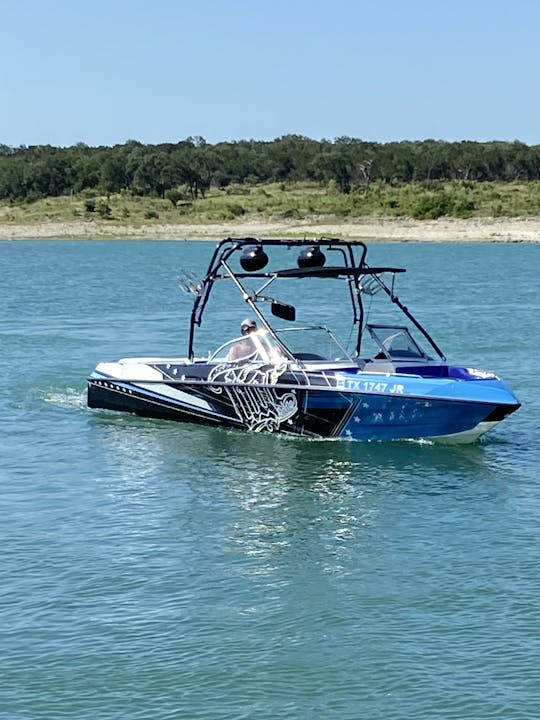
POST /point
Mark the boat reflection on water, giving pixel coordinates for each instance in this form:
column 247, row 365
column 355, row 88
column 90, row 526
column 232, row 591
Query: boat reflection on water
column 281, row 504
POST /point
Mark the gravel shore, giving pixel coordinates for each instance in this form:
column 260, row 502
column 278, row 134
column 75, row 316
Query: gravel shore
column 477, row 229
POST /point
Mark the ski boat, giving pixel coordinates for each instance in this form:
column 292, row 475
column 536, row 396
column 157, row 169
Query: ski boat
column 389, row 379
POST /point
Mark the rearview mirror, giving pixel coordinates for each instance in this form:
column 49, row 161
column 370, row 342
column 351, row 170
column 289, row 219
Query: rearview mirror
column 283, row 311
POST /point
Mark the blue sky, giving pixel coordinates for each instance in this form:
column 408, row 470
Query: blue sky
column 161, row 70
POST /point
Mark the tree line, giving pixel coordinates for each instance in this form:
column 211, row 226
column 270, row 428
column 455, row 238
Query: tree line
column 33, row 172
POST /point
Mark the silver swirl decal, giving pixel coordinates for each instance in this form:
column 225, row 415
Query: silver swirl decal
column 259, row 408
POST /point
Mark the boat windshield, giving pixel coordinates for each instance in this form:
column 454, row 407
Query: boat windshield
column 395, row 342
column 304, row 343
column 258, row 346
column 314, row 342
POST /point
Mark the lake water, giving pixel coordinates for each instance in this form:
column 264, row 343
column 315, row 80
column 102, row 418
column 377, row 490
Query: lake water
column 157, row 570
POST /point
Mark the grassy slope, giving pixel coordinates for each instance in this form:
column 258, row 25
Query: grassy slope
column 290, row 200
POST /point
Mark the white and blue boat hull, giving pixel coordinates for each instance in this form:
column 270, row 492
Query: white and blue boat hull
column 348, row 404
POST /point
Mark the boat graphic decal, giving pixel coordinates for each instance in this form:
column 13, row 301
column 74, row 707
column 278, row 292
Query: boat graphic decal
column 259, row 408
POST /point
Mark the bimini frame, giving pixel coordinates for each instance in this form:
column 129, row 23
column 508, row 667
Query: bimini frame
column 351, row 268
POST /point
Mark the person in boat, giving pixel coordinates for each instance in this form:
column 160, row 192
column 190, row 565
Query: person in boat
column 246, row 347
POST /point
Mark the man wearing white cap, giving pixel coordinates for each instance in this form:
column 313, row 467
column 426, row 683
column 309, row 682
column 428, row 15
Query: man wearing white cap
column 245, row 347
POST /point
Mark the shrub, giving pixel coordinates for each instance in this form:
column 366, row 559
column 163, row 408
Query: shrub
column 291, row 214
column 33, row 196
column 174, row 196
column 463, row 208
column 90, row 205
column 332, row 187
column 431, row 206
column 103, row 209
column 151, row 215
column 236, row 210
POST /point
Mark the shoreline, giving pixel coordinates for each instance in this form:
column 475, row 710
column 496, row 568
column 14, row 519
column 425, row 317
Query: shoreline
column 385, row 229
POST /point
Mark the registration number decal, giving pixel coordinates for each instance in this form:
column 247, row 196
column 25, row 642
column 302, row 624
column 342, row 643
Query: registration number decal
column 371, row 386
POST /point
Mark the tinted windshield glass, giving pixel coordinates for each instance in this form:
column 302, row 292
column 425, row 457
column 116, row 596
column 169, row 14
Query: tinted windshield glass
column 313, row 343
column 396, row 342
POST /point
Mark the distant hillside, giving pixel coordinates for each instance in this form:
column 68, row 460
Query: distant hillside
column 287, row 201
column 420, row 178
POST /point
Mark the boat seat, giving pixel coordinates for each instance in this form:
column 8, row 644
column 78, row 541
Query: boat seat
column 309, row 356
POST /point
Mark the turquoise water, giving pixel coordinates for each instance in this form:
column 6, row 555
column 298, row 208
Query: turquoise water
column 156, row 570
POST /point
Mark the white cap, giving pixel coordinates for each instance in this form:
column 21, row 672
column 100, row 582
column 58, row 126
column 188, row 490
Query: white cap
column 248, row 324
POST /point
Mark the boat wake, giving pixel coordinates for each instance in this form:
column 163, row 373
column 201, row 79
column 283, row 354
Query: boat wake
column 65, row 398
